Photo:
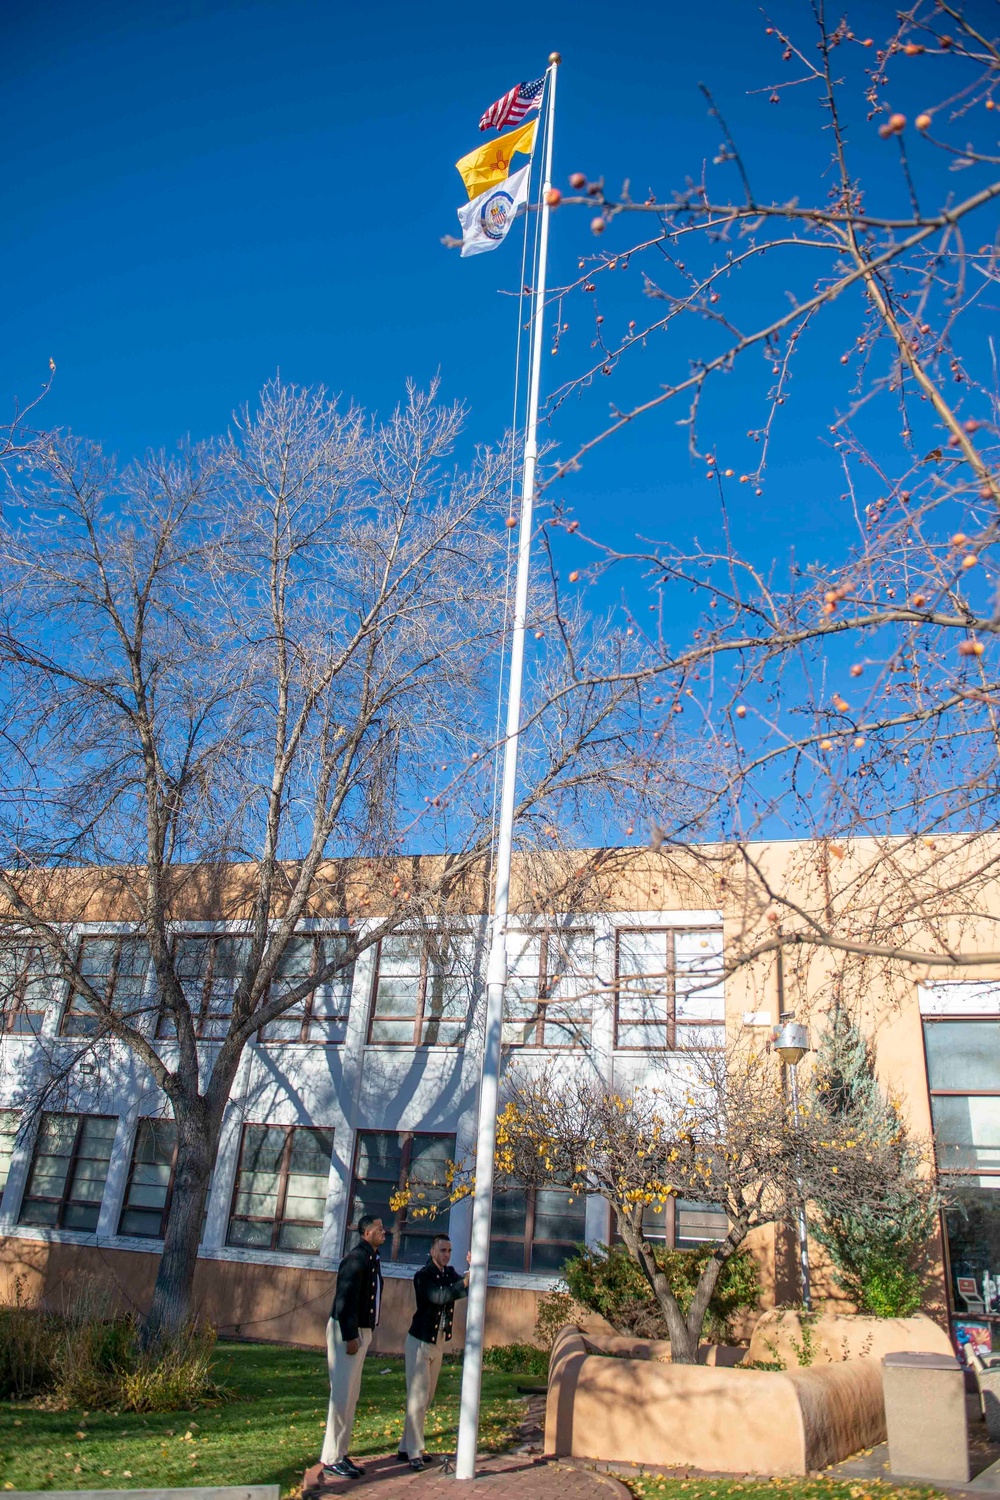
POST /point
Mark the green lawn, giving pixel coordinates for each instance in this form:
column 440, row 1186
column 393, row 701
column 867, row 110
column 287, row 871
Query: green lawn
column 658, row 1487
column 268, row 1430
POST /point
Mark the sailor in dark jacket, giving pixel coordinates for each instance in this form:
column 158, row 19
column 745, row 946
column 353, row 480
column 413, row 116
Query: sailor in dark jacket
column 348, row 1333
column 438, row 1287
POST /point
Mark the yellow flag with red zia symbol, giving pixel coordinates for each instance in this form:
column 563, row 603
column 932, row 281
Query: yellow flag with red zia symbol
column 490, row 164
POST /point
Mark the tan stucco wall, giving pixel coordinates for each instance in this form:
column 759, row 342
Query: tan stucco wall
column 778, row 1336
column 278, row 1304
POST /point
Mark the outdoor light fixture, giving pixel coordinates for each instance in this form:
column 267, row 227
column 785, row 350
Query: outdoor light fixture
column 791, row 1042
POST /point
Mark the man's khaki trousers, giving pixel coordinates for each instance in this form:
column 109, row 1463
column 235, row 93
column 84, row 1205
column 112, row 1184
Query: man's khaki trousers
column 423, row 1365
column 345, row 1384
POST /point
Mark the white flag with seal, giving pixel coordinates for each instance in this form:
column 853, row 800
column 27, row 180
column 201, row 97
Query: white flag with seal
column 486, row 220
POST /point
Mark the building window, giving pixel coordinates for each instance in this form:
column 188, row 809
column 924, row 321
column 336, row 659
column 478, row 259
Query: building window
column 150, row 1180
column 322, row 1015
column 9, row 1122
column 421, row 992
column 550, row 988
column 385, row 1162
column 116, row 968
column 208, row 970
column 963, row 1071
column 668, row 990
column 683, row 1224
column 281, row 1188
column 962, row 1051
column 536, row 1229
column 27, row 973
column 68, row 1171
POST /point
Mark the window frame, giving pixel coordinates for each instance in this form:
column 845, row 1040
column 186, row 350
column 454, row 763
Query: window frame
column 119, row 939
column 399, row 1227
column 419, row 1016
column 66, row 1200
column 307, row 1002
column 6, row 1158
column 278, row 1222
column 528, row 1239
column 126, row 1206
column 543, row 1001
column 7, row 1016
column 933, row 1093
column 672, row 1024
column 204, row 1013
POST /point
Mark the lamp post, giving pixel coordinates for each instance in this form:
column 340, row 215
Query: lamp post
column 791, row 1044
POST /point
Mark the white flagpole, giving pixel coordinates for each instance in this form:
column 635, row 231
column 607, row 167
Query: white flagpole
column 496, row 973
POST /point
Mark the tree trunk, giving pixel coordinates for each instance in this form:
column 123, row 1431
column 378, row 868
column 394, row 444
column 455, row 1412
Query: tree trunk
column 197, row 1141
column 683, row 1348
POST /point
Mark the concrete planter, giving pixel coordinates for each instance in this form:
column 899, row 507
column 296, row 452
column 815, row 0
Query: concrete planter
column 636, row 1407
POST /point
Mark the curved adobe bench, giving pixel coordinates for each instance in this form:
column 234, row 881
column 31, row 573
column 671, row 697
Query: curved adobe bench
column 739, row 1421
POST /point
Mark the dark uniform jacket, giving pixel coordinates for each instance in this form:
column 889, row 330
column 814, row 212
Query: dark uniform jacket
column 437, row 1289
column 359, row 1291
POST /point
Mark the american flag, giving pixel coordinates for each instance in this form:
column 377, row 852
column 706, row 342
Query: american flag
column 512, row 108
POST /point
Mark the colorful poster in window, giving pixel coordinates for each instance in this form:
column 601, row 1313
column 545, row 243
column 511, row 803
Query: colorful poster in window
column 975, row 1336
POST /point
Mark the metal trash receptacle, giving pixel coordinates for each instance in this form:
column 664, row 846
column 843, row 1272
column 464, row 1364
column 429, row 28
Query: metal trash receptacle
column 925, row 1416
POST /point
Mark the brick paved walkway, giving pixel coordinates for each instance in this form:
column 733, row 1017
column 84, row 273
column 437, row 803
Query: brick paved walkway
column 506, row 1476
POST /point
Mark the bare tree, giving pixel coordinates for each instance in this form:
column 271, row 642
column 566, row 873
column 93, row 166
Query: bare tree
column 239, row 683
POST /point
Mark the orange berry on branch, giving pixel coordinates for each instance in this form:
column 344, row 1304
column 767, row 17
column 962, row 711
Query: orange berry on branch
column 859, row 742
column 969, row 561
column 577, row 180
column 913, row 49
column 857, row 669
column 741, row 712
column 553, row 197
column 970, row 648
column 598, row 226
column 826, row 744
column 573, row 576
column 897, row 123
column 923, row 122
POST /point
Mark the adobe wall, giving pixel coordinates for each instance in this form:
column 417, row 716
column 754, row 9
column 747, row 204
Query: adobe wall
column 276, row 1304
column 708, row 1417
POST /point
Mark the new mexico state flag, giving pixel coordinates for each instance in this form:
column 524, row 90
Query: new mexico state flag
column 490, row 164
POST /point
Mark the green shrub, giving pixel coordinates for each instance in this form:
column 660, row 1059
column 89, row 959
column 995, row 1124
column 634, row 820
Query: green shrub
column 517, row 1359
column 608, row 1281
column 92, row 1359
column 887, row 1289
column 555, row 1310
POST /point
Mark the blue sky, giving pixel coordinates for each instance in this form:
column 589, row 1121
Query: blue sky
column 201, row 192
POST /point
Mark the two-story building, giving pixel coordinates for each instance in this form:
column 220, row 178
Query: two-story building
column 372, row 1081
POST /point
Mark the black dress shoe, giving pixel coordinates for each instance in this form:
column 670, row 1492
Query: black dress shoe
column 344, row 1468
column 422, row 1463
column 402, row 1457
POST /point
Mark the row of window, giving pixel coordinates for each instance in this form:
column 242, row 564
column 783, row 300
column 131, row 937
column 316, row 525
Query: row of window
column 667, row 988
column 280, row 1192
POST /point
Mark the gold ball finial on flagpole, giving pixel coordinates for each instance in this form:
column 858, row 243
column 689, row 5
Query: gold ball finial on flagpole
column 555, row 57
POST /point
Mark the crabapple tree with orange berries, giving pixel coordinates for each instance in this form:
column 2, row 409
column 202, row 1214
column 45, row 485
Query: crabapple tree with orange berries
column 848, row 300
